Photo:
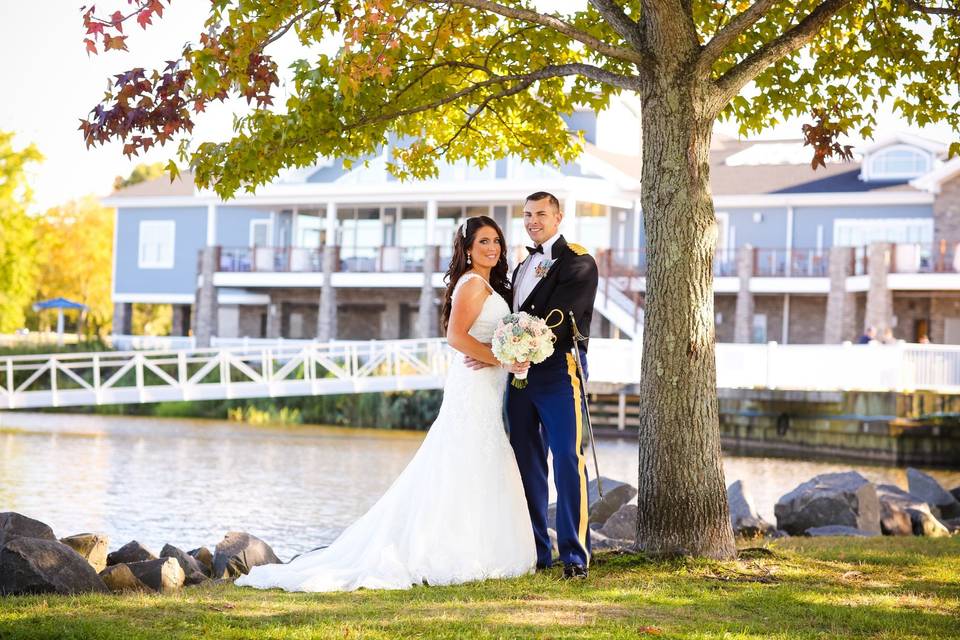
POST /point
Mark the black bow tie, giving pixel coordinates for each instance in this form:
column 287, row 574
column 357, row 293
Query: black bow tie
column 536, row 249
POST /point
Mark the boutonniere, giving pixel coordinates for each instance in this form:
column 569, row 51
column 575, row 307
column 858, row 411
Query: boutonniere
column 543, row 268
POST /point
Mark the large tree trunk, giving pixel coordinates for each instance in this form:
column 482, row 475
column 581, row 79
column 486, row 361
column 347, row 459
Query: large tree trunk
column 682, row 496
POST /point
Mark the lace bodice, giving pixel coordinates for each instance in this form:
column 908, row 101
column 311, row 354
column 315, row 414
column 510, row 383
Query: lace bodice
column 494, row 308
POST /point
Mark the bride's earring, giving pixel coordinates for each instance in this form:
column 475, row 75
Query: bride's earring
column 468, row 258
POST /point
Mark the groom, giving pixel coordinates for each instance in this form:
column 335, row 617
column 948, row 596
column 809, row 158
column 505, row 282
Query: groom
column 555, row 279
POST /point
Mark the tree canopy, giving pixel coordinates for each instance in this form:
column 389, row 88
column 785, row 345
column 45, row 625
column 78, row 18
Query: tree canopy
column 17, row 233
column 478, row 79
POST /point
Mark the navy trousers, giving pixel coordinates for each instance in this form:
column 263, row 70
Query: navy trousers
column 547, row 414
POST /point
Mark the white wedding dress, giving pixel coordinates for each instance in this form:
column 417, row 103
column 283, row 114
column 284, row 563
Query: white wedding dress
column 457, row 513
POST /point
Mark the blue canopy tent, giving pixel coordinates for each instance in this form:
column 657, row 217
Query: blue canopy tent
column 59, row 304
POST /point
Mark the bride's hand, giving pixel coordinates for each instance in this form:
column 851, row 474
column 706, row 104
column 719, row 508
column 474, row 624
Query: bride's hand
column 473, row 363
column 517, row 367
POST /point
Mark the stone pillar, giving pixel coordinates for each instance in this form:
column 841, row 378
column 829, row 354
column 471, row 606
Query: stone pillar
column 390, row 321
column 743, row 318
column 840, row 321
column 879, row 311
column 327, row 312
column 122, row 318
column 427, row 326
column 205, row 318
column 946, row 217
column 427, row 316
column 274, row 317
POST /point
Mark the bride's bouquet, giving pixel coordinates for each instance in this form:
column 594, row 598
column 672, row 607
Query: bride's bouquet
column 521, row 337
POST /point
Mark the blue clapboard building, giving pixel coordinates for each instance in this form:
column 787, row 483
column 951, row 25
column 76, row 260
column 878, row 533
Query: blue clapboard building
column 327, row 252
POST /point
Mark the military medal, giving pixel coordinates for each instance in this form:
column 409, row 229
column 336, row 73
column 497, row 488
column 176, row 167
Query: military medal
column 542, row 268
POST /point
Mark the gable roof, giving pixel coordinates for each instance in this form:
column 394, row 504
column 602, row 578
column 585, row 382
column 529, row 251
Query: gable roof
column 182, row 186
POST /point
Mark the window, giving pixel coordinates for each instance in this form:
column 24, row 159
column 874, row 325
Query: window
column 759, row 329
column 899, row 162
column 156, row 244
column 261, row 233
column 853, row 232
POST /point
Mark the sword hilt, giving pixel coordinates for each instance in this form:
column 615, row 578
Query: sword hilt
column 577, row 336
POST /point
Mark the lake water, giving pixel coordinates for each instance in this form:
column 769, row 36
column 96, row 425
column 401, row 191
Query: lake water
column 187, row 482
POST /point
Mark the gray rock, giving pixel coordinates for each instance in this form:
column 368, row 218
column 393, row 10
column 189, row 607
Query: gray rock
column 162, row 575
column 846, row 499
column 239, row 552
column 615, row 495
column 744, row 518
column 554, row 545
column 925, row 524
column 203, row 555
column 953, row 525
column 133, row 551
column 622, row 525
column 195, row 578
column 903, row 514
column 38, row 565
column 188, row 563
column 14, row 525
column 929, row 490
column 840, row 530
column 119, row 579
column 600, row 542
column 91, row 546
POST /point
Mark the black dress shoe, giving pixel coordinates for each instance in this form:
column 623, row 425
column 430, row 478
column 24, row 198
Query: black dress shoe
column 574, row 572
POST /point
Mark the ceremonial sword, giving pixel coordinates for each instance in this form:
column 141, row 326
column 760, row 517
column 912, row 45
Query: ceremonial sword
column 575, row 351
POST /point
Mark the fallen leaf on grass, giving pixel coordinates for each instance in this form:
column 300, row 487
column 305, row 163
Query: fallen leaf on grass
column 650, row 630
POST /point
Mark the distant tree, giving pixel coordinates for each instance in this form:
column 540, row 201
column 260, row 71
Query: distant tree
column 75, row 258
column 479, row 79
column 17, row 234
column 141, row 173
column 152, row 319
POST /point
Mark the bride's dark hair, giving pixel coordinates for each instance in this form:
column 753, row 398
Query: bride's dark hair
column 462, row 241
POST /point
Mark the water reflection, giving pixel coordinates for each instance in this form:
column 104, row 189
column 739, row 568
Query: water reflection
column 187, row 482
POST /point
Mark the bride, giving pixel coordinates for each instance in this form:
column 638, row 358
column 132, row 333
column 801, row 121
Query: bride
column 457, row 513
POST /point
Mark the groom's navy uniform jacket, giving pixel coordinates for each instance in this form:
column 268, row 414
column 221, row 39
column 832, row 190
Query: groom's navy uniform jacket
column 548, row 412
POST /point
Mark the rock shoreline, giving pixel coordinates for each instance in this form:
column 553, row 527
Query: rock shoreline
column 34, row 561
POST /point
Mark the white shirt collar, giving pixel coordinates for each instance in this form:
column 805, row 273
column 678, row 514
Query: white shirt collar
column 548, row 246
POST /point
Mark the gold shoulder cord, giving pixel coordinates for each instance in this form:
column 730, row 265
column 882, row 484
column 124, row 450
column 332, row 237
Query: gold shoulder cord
column 557, row 323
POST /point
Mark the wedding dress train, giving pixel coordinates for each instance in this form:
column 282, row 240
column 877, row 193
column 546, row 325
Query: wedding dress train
column 456, row 513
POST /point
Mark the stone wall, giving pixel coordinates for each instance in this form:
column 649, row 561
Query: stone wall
column 807, row 315
column 725, row 305
column 946, row 212
column 942, row 309
column 911, row 312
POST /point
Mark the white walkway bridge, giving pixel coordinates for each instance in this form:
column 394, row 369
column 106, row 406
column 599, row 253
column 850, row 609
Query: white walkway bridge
column 278, row 369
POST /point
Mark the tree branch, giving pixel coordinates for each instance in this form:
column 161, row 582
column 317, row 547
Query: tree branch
column 730, row 32
column 937, row 11
column 551, row 71
column 615, row 16
column 558, row 25
column 728, row 86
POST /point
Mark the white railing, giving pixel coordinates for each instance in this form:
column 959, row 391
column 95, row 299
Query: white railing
column 121, row 377
column 36, row 338
column 285, row 369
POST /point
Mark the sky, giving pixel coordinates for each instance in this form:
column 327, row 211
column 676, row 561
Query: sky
column 49, row 83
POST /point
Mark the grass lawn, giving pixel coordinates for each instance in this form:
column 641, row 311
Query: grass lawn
column 795, row 588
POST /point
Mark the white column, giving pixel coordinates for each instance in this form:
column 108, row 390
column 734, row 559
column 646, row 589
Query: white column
column 431, row 221
column 211, row 224
column 788, row 268
column 331, row 224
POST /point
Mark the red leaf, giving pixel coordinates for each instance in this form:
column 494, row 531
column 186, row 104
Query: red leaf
column 117, row 20
column 143, row 18
column 91, row 46
column 156, row 7
column 114, row 42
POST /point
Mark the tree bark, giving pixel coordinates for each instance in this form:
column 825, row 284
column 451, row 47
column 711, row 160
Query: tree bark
column 682, row 502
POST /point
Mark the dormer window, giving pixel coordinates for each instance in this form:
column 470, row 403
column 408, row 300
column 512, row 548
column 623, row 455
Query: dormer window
column 898, row 162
